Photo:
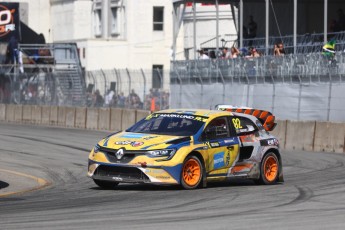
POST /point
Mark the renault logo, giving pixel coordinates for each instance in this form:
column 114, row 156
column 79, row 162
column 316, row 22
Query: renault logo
column 119, row 154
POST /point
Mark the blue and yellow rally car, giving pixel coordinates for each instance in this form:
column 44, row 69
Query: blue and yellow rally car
column 190, row 148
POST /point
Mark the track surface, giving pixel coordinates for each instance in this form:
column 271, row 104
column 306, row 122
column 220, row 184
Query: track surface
column 312, row 197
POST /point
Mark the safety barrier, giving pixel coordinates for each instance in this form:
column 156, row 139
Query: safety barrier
column 292, row 135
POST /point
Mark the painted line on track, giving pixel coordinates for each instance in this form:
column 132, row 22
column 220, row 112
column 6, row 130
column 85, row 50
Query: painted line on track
column 42, row 183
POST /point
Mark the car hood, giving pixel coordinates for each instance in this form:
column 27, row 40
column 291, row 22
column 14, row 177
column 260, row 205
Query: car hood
column 141, row 141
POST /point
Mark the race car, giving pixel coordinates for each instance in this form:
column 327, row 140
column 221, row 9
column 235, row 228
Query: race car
column 190, row 148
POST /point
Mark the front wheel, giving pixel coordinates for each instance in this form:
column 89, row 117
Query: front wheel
column 106, row 184
column 269, row 169
column 192, row 173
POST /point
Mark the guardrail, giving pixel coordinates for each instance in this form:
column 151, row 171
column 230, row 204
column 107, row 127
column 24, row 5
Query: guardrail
column 292, row 135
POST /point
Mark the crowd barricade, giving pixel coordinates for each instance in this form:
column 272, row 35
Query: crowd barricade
column 292, row 135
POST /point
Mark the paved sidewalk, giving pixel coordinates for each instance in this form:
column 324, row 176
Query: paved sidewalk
column 14, row 183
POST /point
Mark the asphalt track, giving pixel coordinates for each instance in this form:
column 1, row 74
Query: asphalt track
column 312, row 197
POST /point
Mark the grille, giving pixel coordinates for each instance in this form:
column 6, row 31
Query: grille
column 127, row 174
column 127, row 157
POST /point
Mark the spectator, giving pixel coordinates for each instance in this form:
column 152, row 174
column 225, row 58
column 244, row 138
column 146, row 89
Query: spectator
column 252, row 28
column 234, row 52
column 253, row 52
column 121, row 100
column 279, row 49
column 12, row 51
column 97, row 100
column 225, row 53
column 202, row 55
column 108, row 98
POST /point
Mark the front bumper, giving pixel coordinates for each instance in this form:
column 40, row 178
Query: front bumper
column 126, row 173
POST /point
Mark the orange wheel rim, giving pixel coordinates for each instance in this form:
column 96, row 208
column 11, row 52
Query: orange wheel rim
column 191, row 172
column 271, row 168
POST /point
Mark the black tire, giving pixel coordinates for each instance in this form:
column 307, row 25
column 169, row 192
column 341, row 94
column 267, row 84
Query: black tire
column 269, row 169
column 192, row 173
column 106, row 184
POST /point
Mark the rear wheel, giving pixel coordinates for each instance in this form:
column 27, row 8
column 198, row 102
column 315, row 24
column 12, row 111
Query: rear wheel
column 269, row 169
column 192, row 173
column 106, row 184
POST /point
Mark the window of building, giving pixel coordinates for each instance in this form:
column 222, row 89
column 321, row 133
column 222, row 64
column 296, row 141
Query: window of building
column 158, row 18
column 98, row 18
column 157, row 76
column 114, row 21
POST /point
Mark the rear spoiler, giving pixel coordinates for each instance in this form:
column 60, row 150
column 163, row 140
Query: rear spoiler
column 265, row 117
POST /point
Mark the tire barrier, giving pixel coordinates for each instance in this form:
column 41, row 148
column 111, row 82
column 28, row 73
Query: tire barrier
column 292, row 135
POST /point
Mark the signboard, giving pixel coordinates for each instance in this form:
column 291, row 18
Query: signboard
column 9, row 21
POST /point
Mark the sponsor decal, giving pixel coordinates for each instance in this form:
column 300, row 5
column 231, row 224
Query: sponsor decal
column 229, row 141
column 269, row 142
column 215, row 144
column 117, row 178
column 132, row 143
column 174, row 115
column 149, row 137
column 218, row 160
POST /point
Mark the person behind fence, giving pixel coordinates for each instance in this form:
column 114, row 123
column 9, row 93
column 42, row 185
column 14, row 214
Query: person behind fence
column 234, row 52
column 252, row 28
column 121, row 100
column 279, row 49
column 328, row 51
column 202, row 55
column 12, row 51
column 225, row 53
column 97, row 100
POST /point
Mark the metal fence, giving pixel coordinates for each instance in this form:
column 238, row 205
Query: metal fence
column 296, row 87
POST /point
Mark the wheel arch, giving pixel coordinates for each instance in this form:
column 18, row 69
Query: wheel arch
column 277, row 153
column 201, row 158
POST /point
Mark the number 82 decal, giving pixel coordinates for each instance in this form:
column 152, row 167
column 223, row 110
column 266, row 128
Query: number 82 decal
column 237, row 123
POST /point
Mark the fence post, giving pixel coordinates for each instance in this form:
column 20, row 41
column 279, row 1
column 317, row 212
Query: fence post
column 129, row 82
column 142, row 72
column 105, row 82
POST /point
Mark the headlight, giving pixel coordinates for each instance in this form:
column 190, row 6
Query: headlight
column 161, row 153
column 96, row 148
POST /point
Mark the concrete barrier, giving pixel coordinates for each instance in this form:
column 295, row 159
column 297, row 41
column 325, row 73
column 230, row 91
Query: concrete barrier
column 70, row 117
column 45, row 115
column 329, row 137
column 61, row 119
column 53, row 119
column 116, row 119
column 36, row 114
column 300, row 135
column 80, row 117
column 2, row 112
column 292, row 135
column 104, row 118
column 10, row 113
column 142, row 114
column 27, row 113
column 280, row 132
column 92, row 118
column 128, row 118
column 18, row 113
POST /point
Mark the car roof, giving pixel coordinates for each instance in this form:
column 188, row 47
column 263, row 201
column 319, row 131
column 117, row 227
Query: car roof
column 198, row 112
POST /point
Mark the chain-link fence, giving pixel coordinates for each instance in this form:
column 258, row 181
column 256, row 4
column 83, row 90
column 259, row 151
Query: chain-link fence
column 296, row 87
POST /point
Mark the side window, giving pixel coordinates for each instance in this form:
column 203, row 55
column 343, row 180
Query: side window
column 216, row 129
column 243, row 124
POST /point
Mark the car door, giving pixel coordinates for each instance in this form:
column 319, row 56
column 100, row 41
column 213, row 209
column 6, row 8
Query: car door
column 222, row 147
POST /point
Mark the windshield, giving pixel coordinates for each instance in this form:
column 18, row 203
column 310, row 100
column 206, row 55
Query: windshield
column 169, row 124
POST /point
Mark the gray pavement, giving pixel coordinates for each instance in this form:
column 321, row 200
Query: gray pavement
column 312, row 197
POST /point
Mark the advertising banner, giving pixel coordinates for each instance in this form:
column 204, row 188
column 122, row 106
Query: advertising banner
column 9, row 21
